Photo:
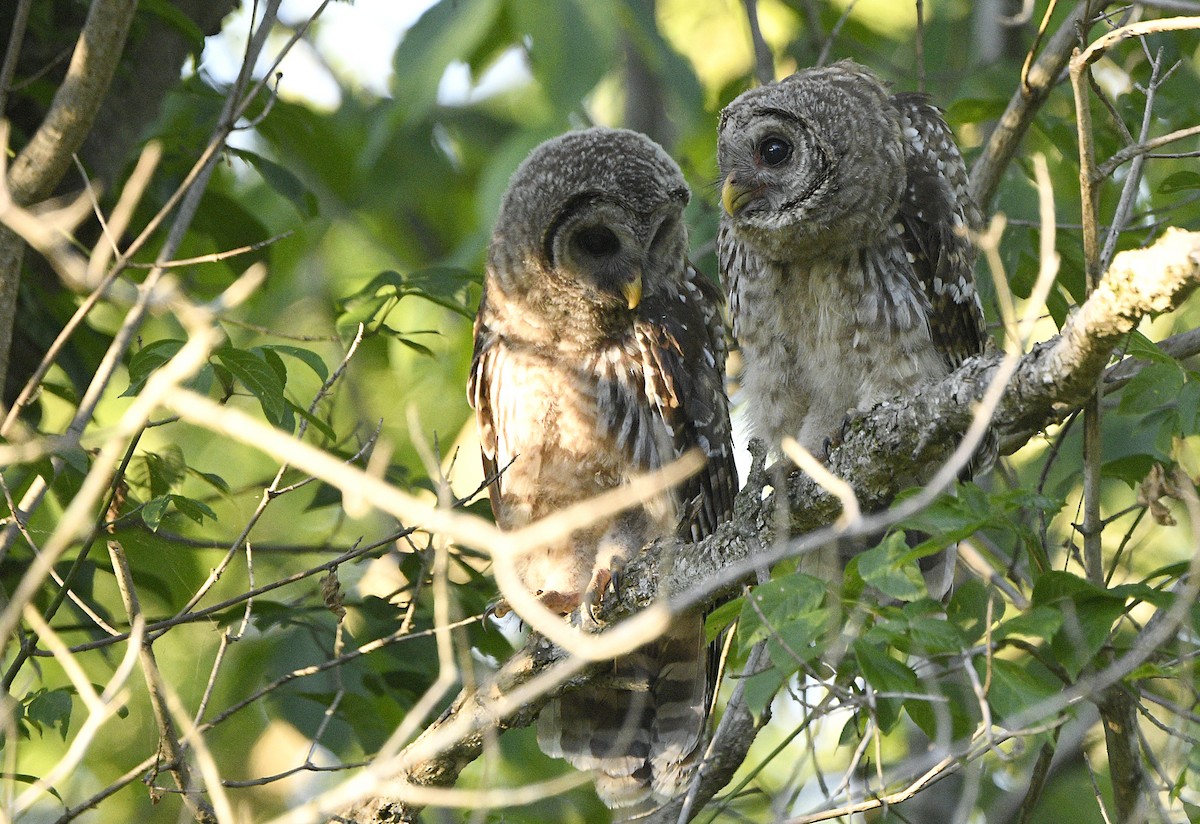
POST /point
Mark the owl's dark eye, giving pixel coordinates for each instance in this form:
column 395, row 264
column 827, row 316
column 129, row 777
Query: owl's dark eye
column 598, row 241
column 774, row 150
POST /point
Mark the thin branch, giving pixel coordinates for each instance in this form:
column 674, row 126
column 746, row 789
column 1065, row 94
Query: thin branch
column 1024, row 105
column 764, row 64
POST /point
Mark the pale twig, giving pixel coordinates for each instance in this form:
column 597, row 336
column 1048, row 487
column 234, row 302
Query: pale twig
column 187, row 197
column 100, row 707
column 219, row 799
column 273, row 489
column 461, row 527
column 804, row 460
column 180, row 368
column 1140, row 29
column 1134, row 178
column 216, row 257
column 130, row 195
column 156, row 688
column 1145, row 147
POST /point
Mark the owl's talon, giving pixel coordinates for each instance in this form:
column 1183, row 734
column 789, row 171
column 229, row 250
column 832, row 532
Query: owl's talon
column 604, row 580
column 496, row 610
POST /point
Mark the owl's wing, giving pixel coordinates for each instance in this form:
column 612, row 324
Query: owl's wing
column 681, row 342
column 938, row 215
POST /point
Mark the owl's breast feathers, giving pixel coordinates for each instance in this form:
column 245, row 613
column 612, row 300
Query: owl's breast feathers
column 557, row 428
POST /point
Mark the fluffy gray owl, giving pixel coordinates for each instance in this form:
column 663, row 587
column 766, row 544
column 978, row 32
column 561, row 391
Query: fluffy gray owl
column 599, row 355
column 845, row 249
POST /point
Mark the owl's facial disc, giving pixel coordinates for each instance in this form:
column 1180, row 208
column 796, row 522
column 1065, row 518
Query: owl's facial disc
column 774, row 167
column 603, row 253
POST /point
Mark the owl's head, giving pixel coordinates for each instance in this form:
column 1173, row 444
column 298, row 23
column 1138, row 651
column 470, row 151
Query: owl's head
column 590, row 221
column 812, row 164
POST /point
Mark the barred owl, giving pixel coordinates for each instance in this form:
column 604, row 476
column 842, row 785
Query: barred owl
column 845, row 249
column 599, row 355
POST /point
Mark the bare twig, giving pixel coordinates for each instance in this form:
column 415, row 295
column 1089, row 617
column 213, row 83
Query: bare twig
column 1024, row 105
column 764, row 64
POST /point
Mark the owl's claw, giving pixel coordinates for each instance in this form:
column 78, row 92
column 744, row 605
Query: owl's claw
column 604, row 580
column 495, row 610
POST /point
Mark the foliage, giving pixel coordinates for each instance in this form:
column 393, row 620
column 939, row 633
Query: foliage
column 296, row 625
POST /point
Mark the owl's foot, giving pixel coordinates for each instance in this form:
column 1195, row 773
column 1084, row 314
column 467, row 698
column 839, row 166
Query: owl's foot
column 496, row 609
column 835, row 440
column 604, row 580
column 562, row 603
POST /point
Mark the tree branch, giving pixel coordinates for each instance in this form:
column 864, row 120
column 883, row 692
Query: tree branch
column 1039, row 81
column 896, row 439
column 45, row 159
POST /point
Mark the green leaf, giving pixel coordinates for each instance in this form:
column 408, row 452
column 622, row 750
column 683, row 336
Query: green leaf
column 933, row 635
column 29, row 779
column 215, row 481
column 1153, row 387
column 1087, row 623
column 571, row 45
column 1088, row 614
column 1140, row 346
column 761, row 688
column 261, row 379
column 146, row 360
column 283, row 181
column 1015, row 688
column 1132, row 469
column 315, row 422
column 795, row 643
column 968, row 608
column 419, row 348
column 52, row 709
column 887, row 569
column 777, row 603
column 721, row 618
column 885, row 675
column 196, row 510
column 1038, row 622
column 306, row 356
column 154, row 510
column 448, row 30
column 1180, row 181
column 177, row 20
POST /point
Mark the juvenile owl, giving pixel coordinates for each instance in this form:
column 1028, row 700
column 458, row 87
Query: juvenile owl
column 599, row 355
column 845, row 249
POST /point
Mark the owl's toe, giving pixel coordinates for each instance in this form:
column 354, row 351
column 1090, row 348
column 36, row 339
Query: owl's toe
column 604, row 580
column 564, row 603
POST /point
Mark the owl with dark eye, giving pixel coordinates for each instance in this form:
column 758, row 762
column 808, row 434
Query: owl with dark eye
column 599, row 356
column 846, row 250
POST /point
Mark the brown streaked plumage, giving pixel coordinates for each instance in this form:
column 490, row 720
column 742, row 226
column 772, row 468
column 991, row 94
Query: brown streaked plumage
column 599, row 355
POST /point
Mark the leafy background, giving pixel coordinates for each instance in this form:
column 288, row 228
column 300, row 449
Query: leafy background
column 370, row 202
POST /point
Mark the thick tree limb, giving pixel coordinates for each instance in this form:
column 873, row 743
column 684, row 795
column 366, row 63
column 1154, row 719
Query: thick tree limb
column 45, row 159
column 894, row 440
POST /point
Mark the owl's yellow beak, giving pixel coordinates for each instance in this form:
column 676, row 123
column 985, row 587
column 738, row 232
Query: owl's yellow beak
column 734, row 194
column 632, row 290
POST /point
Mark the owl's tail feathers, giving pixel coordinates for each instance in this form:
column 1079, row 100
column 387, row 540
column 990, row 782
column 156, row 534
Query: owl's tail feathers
column 641, row 728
